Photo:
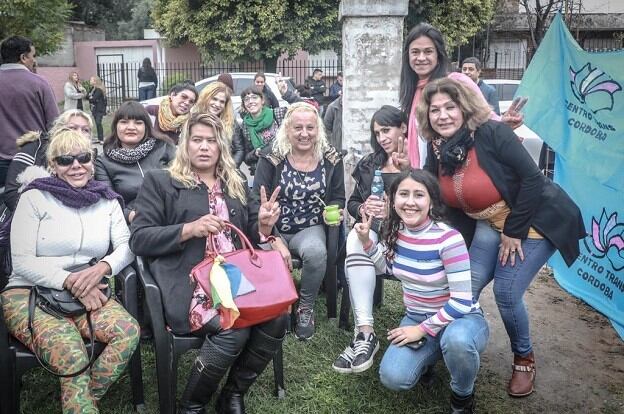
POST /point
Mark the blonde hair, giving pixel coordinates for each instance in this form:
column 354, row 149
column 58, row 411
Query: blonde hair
column 227, row 115
column 71, row 75
column 181, row 168
column 282, row 144
column 99, row 84
column 474, row 108
column 59, row 123
column 65, row 141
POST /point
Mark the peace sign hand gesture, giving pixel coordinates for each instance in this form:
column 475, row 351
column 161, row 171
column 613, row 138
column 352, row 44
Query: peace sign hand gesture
column 362, row 228
column 269, row 211
column 400, row 158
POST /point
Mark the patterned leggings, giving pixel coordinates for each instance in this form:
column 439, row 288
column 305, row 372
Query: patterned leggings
column 59, row 342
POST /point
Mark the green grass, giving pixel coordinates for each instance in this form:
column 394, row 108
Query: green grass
column 311, row 384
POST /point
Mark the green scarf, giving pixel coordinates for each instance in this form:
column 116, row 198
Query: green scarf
column 259, row 124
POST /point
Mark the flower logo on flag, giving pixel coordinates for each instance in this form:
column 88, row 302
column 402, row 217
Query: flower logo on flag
column 607, row 239
column 593, row 87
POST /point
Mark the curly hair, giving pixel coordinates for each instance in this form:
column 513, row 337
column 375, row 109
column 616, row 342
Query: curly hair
column 437, row 212
column 282, row 145
column 474, row 108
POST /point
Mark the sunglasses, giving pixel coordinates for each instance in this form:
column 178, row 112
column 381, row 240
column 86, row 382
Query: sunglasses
column 67, row 160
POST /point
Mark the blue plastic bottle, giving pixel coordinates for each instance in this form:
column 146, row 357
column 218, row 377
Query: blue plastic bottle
column 377, row 186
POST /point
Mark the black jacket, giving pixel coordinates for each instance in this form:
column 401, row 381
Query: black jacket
column 148, row 75
column 238, row 145
column 32, row 152
column 98, row 102
column 270, row 168
column 535, row 201
column 270, row 99
column 363, row 175
column 126, row 179
column 163, row 206
column 317, row 89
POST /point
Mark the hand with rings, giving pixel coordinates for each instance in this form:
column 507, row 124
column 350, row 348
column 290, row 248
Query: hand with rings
column 508, row 249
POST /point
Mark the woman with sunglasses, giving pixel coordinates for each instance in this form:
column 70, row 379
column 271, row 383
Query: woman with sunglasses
column 90, row 216
column 173, row 110
column 32, row 147
column 130, row 151
column 260, row 122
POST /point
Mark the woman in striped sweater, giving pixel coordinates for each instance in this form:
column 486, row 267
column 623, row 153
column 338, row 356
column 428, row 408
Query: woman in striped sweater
column 431, row 261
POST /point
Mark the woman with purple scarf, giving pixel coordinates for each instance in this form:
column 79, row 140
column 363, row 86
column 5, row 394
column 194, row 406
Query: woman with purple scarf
column 61, row 221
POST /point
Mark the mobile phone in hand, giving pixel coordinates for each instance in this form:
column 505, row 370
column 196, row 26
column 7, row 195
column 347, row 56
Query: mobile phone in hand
column 417, row 344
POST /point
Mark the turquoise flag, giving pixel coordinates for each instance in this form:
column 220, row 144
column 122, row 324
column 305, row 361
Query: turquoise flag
column 576, row 104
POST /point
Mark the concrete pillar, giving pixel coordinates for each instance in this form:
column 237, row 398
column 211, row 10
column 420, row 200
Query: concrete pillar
column 372, row 38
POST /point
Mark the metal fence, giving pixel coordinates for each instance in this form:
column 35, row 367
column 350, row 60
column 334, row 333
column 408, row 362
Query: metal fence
column 122, row 83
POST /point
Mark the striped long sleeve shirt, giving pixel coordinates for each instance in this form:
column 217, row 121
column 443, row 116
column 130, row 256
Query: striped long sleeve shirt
column 433, row 266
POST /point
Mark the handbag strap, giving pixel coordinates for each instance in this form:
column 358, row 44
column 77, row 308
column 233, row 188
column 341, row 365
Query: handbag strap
column 32, row 299
column 246, row 243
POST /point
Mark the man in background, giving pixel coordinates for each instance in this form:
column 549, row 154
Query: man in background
column 336, row 89
column 27, row 102
column 317, row 86
column 471, row 67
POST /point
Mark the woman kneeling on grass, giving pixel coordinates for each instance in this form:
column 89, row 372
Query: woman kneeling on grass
column 431, row 261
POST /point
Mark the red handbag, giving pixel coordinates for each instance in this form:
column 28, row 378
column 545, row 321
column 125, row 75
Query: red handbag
column 265, row 269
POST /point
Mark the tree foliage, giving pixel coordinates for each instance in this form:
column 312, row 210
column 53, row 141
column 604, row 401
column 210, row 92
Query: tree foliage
column 120, row 19
column 42, row 21
column 458, row 20
column 249, row 30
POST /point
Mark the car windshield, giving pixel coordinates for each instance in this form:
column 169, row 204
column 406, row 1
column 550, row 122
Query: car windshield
column 505, row 91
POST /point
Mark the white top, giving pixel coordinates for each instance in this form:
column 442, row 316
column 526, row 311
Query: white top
column 48, row 237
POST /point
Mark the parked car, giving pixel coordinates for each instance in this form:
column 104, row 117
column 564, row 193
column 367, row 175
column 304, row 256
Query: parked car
column 241, row 80
column 506, row 90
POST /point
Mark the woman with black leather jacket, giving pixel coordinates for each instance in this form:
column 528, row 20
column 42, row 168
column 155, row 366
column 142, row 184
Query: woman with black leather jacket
column 130, row 151
column 388, row 128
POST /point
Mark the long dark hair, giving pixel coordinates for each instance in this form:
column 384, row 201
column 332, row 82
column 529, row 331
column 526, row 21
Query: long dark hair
column 130, row 110
column 437, row 213
column 386, row 116
column 409, row 78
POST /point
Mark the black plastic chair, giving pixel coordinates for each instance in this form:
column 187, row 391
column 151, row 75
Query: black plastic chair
column 169, row 346
column 16, row 359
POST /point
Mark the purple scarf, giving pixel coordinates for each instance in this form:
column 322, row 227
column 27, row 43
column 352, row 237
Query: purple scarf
column 75, row 197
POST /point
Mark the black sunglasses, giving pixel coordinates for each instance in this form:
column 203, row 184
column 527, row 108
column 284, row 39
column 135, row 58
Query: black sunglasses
column 66, row 160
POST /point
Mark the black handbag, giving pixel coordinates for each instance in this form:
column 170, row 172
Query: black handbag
column 61, row 304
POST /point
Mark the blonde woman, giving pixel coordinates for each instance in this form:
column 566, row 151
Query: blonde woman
column 308, row 173
column 177, row 209
column 74, row 92
column 97, row 99
column 216, row 99
column 62, row 221
column 32, row 146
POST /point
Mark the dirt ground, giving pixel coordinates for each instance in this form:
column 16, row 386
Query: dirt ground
column 579, row 356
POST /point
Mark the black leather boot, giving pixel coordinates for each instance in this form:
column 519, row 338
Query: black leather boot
column 260, row 349
column 462, row 405
column 209, row 367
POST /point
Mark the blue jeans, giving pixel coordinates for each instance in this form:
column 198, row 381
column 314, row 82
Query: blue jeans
column 510, row 282
column 147, row 92
column 460, row 343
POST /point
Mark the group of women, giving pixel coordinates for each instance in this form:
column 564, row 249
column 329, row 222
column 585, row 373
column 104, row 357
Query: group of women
column 479, row 210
